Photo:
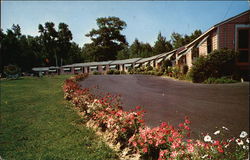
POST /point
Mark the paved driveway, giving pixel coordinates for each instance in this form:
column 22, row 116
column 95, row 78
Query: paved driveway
column 208, row 106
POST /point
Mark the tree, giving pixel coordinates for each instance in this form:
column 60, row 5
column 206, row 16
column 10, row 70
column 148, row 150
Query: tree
column 64, row 38
column 145, row 50
column 49, row 36
column 178, row 40
column 123, row 54
column 162, row 45
column 135, row 49
column 107, row 40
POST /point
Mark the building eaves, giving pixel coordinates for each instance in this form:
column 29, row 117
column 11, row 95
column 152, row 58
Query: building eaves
column 125, row 61
column 148, row 59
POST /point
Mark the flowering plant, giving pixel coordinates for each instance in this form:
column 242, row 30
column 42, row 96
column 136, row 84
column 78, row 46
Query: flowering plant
column 162, row 142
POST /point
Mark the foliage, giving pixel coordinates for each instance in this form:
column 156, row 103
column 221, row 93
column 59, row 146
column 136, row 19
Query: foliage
column 117, row 72
column 124, row 53
column 178, row 40
column 49, row 47
column 162, row 45
column 212, row 80
column 140, row 49
column 36, row 123
column 107, row 40
column 11, row 71
column 111, row 71
column 166, row 63
column 184, row 69
column 96, row 73
column 217, row 64
column 149, row 68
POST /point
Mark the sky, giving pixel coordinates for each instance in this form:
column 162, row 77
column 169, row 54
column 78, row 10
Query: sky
column 145, row 19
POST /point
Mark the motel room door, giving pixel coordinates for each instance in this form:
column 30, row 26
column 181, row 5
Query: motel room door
column 243, row 46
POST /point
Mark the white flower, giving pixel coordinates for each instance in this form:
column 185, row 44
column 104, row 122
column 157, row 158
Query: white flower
column 243, row 134
column 247, row 140
column 204, row 156
column 226, row 145
column 217, row 132
column 207, row 138
column 245, row 147
column 225, row 128
column 239, row 141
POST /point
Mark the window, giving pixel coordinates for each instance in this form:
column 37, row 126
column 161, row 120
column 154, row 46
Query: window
column 195, row 53
column 243, row 45
column 209, row 44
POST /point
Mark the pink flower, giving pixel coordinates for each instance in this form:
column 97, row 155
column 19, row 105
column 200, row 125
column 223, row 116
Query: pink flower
column 134, row 144
column 190, row 148
column 145, row 150
column 174, row 154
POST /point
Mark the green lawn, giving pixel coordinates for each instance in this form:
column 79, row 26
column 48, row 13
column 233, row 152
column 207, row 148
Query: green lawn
column 37, row 123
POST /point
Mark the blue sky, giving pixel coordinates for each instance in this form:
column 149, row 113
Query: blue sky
column 145, row 19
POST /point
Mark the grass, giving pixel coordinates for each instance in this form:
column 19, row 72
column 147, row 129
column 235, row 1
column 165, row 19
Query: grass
column 37, row 123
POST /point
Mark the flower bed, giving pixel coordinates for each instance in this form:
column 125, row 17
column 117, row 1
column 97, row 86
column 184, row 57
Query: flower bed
column 127, row 130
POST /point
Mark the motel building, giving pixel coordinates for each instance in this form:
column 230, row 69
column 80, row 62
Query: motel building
column 124, row 65
column 233, row 33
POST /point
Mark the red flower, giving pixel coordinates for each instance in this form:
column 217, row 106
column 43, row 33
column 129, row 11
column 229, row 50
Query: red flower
column 220, row 149
column 138, row 107
column 187, row 121
column 124, row 129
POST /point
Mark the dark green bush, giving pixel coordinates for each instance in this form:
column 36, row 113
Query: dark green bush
column 149, row 68
column 217, row 64
column 117, row 72
column 96, row 73
column 11, row 71
column 165, row 64
column 184, row 69
column 122, row 72
column 110, row 71
column 212, row 80
column 158, row 73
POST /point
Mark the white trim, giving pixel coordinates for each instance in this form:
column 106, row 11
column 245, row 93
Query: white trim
column 112, row 66
column 103, row 67
column 66, row 69
column 202, row 41
column 93, row 67
column 169, row 56
column 237, row 26
column 52, row 70
column 127, row 65
column 159, row 60
column 137, row 65
column 78, row 68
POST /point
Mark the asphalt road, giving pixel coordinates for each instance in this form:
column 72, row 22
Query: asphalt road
column 209, row 106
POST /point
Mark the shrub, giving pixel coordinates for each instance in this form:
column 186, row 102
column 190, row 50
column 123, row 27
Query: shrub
column 212, row 80
column 217, row 64
column 158, row 73
column 12, row 71
column 110, row 71
column 184, row 69
column 117, row 72
column 167, row 63
column 96, row 73
column 149, row 68
column 122, row 72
